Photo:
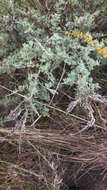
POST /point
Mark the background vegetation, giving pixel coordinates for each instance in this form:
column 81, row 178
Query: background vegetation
column 53, row 57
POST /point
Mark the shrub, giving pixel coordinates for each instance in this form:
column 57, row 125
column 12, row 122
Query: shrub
column 36, row 41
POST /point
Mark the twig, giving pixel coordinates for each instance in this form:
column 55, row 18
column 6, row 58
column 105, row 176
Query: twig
column 72, row 115
column 36, row 120
column 72, row 105
column 90, row 123
column 23, row 120
column 50, row 165
column 58, row 84
column 40, row 177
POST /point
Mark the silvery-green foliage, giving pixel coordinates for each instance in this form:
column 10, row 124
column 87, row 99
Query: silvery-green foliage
column 37, row 43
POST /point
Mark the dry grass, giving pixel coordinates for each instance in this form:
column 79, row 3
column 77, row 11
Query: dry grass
column 88, row 148
column 32, row 155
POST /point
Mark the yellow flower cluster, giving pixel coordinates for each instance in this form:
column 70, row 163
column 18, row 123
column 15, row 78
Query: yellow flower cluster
column 100, row 49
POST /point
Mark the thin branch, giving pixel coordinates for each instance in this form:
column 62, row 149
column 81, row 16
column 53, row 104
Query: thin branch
column 90, row 123
column 63, row 72
column 40, row 177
